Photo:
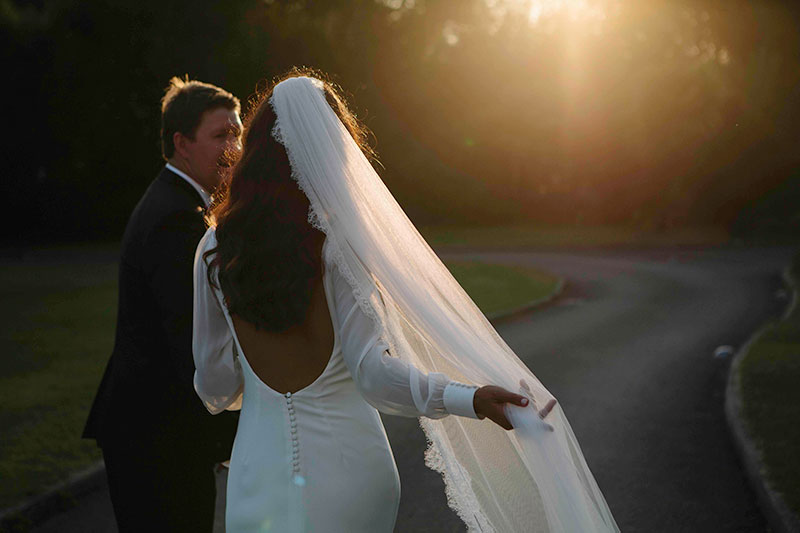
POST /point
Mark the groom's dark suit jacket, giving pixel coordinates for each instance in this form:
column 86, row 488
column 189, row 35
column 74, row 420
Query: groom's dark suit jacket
column 147, row 391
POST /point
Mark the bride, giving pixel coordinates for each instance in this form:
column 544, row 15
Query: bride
column 318, row 302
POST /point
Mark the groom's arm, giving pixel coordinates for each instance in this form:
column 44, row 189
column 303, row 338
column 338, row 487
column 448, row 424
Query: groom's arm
column 173, row 244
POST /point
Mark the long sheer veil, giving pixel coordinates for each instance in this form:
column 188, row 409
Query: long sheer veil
column 528, row 479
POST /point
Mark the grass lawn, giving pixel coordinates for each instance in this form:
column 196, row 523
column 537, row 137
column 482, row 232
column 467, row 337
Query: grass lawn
column 770, row 382
column 495, row 288
column 57, row 327
column 568, row 236
column 57, row 331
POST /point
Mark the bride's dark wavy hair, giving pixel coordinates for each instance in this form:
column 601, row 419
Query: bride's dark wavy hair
column 268, row 256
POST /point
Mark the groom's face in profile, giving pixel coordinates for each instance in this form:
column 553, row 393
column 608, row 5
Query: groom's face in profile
column 219, row 133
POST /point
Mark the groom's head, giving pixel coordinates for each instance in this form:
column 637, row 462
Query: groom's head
column 200, row 127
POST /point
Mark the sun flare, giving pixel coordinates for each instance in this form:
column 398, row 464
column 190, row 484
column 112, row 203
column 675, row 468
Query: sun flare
column 574, row 9
column 538, row 11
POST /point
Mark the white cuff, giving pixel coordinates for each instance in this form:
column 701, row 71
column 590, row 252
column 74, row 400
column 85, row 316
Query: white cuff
column 458, row 398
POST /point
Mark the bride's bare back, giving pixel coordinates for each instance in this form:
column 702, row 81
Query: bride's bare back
column 291, row 360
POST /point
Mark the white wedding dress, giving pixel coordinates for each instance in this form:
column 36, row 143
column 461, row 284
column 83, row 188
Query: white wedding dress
column 317, row 459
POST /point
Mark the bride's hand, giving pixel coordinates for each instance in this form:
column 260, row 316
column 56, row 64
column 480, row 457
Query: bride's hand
column 488, row 402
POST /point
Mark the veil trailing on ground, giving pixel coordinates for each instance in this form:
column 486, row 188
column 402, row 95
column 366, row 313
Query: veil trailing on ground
column 528, row 479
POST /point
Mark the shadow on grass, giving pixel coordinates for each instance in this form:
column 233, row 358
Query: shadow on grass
column 57, row 332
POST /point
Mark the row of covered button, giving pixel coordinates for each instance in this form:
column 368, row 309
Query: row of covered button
column 293, row 432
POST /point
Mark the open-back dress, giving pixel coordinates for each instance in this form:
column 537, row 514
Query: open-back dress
column 316, row 459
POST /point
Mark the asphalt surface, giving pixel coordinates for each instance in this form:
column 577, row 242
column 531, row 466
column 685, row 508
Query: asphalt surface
column 628, row 350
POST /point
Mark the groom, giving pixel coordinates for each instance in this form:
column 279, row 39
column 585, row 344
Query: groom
column 159, row 443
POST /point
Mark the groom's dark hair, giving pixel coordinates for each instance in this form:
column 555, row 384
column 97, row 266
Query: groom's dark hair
column 183, row 105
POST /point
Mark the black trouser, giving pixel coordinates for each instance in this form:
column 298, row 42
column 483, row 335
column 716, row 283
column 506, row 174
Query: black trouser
column 166, row 488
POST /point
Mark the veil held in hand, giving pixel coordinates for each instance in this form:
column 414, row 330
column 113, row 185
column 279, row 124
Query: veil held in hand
column 527, row 479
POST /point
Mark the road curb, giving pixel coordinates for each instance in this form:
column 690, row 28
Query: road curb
column 778, row 514
column 57, row 499
column 65, row 495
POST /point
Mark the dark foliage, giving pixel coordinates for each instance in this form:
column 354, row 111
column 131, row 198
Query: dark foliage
column 660, row 113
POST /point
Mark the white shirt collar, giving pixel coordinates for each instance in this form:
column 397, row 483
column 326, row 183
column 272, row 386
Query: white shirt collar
column 197, row 186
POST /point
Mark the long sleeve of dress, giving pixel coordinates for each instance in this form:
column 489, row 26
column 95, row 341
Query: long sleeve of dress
column 389, row 384
column 218, row 376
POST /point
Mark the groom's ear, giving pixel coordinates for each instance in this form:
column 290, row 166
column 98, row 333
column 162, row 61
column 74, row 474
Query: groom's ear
column 179, row 141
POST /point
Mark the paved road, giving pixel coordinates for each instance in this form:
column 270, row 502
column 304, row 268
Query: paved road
column 628, row 350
